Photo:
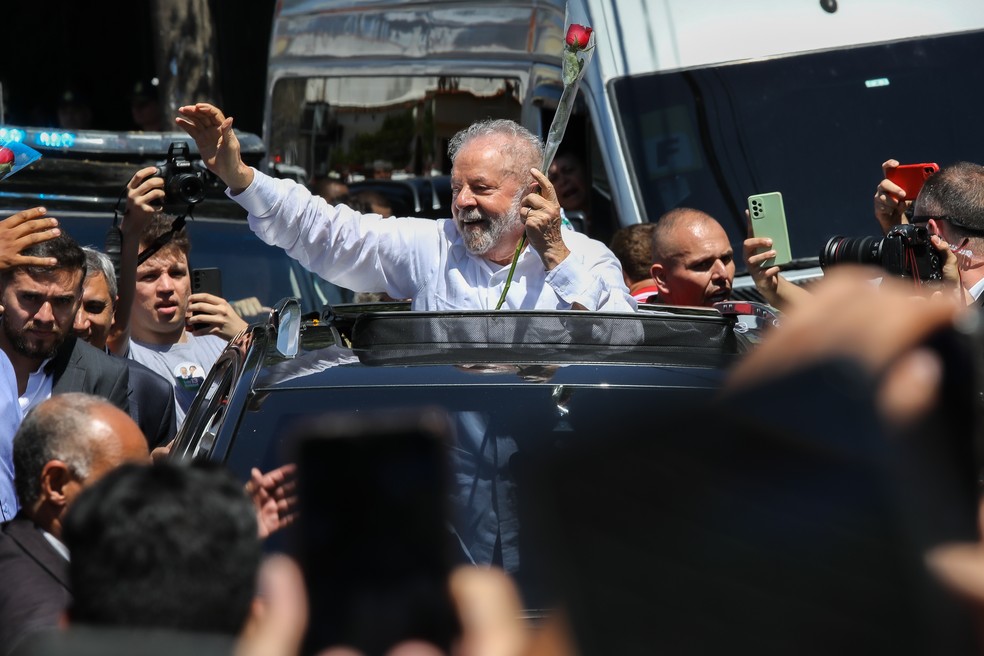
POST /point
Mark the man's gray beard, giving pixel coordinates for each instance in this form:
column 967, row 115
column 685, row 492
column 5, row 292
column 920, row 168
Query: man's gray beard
column 21, row 346
column 480, row 243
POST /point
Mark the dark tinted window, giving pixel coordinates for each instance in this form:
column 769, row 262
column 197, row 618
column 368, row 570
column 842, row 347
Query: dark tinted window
column 489, row 443
column 815, row 127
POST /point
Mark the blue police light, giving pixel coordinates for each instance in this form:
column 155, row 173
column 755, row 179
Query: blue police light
column 12, row 134
column 55, row 139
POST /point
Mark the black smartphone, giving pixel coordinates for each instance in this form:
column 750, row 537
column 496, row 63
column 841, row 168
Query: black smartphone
column 206, row 281
column 372, row 534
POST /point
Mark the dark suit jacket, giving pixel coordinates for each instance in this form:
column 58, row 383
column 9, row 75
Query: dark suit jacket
column 80, row 367
column 151, row 404
column 35, row 582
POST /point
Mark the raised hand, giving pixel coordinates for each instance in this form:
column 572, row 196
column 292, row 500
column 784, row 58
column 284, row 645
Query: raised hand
column 540, row 213
column 217, row 143
column 23, row 229
column 274, row 496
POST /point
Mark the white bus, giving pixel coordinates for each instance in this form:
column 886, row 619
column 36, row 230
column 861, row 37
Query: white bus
column 685, row 103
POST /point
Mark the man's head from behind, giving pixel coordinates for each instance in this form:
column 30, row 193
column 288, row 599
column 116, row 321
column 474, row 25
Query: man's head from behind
column 167, row 545
column 953, row 200
column 99, row 294
column 66, row 443
column 40, row 302
column 160, row 304
column 693, row 261
column 633, row 246
column 490, row 175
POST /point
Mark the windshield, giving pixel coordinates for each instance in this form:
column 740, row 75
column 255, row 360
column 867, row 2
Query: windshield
column 387, row 127
column 815, row 127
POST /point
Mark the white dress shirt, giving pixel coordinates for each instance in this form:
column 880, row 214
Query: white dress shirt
column 10, row 419
column 423, row 259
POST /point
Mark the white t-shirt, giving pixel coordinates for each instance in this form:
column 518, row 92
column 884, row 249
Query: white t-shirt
column 185, row 365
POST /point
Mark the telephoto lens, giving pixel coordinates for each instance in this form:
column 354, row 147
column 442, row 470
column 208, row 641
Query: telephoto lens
column 859, row 250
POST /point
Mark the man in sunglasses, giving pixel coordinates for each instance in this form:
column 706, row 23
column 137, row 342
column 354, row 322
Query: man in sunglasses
column 951, row 206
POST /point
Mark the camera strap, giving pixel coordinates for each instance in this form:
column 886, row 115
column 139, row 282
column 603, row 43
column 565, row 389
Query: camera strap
column 159, row 243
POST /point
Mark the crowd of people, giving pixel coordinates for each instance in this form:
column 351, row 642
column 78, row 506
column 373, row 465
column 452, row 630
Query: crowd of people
column 96, row 363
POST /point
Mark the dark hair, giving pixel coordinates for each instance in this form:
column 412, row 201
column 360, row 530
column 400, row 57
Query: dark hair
column 956, row 191
column 65, row 250
column 167, row 545
column 633, row 246
column 160, row 224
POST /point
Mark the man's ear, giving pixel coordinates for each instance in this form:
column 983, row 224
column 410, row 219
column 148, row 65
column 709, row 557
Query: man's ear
column 55, row 476
column 656, row 272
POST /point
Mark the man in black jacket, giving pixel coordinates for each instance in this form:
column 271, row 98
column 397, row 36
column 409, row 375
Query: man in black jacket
column 40, row 300
column 151, row 395
column 65, row 444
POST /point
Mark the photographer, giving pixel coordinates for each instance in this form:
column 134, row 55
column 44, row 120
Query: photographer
column 157, row 309
column 951, row 207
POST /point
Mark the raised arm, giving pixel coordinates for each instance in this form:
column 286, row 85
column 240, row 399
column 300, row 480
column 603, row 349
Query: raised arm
column 144, row 195
column 890, row 200
column 775, row 289
column 217, row 143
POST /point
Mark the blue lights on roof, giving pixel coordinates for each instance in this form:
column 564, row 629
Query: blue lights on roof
column 140, row 146
column 43, row 139
column 11, row 134
column 54, row 139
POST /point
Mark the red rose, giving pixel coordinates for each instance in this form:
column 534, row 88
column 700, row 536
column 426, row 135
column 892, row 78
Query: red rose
column 578, row 35
column 6, row 156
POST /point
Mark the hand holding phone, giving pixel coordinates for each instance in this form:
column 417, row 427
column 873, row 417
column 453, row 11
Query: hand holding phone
column 910, row 177
column 767, row 218
column 206, row 281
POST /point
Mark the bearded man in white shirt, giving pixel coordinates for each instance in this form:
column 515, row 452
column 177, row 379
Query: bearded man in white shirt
column 458, row 263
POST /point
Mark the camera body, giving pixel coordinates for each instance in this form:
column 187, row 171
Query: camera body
column 905, row 251
column 183, row 184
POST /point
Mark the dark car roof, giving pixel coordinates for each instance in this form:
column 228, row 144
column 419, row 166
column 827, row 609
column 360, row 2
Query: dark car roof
column 543, row 378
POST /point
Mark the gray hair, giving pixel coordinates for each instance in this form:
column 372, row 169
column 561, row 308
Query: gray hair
column 98, row 262
column 522, row 146
column 55, row 429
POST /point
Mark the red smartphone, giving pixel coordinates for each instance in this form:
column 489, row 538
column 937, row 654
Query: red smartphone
column 912, row 176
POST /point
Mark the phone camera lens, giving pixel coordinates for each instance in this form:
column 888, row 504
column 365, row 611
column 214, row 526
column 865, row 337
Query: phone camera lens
column 829, row 6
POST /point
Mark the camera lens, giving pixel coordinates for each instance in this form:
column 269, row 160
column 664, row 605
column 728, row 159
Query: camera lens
column 188, row 187
column 860, row 250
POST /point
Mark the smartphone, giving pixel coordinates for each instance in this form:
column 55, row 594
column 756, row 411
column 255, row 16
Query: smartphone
column 372, row 534
column 768, row 219
column 206, row 281
column 912, row 176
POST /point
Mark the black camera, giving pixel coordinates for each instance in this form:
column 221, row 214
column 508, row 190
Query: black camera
column 183, row 184
column 905, row 251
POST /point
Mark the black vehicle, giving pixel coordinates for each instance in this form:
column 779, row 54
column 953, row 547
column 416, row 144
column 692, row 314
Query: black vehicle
column 512, row 384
